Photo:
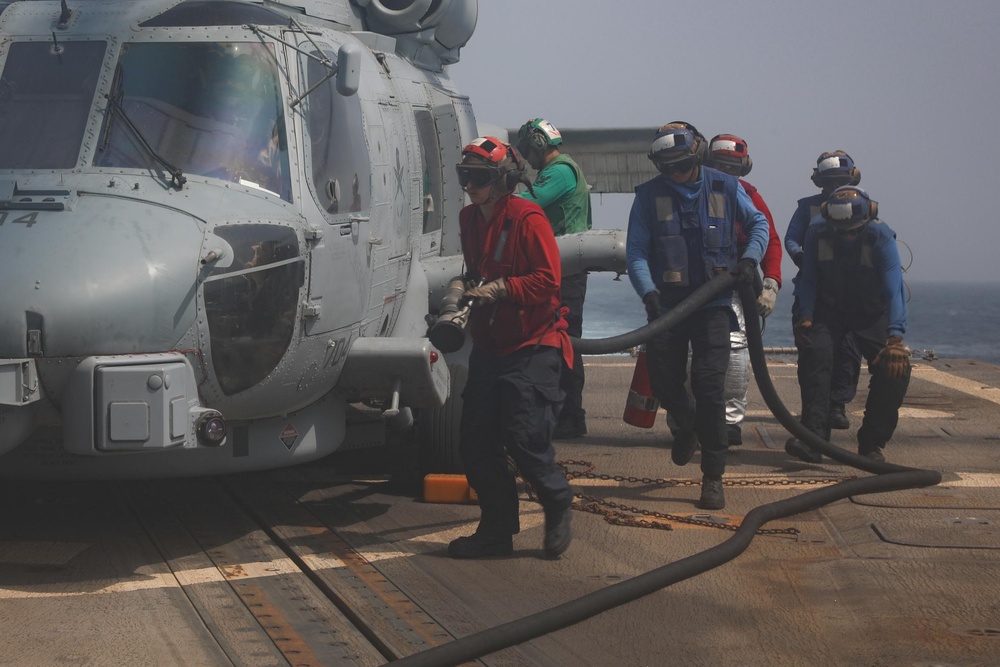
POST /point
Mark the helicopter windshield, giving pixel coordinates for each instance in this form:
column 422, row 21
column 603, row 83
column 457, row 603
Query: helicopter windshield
column 211, row 109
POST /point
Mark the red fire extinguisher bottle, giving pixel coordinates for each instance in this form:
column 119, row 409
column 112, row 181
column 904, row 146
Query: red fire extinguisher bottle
column 641, row 405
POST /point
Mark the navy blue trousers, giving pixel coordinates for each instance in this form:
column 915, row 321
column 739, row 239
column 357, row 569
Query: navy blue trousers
column 707, row 333
column 846, row 364
column 816, row 365
column 572, row 294
column 510, row 408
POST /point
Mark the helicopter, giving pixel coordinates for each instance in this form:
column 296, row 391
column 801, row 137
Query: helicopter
column 225, row 226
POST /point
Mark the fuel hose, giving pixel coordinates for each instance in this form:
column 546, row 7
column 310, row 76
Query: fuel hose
column 886, row 477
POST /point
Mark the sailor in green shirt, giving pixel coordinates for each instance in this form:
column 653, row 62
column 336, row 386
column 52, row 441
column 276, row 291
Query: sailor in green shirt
column 561, row 190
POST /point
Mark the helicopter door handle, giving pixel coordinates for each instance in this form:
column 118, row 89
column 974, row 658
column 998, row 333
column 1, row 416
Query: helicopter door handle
column 356, row 221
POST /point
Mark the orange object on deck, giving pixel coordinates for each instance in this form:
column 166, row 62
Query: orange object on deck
column 641, row 405
column 442, row 488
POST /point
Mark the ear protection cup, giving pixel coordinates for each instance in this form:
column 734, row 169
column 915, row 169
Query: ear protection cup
column 700, row 148
column 749, row 165
column 515, row 170
column 537, row 141
column 855, row 176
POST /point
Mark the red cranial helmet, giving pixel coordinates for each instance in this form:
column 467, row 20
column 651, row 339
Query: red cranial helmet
column 729, row 153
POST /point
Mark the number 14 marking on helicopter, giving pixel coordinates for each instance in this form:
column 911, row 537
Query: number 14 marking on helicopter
column 28, row 219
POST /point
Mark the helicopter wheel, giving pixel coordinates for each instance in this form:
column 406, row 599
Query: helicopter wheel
column 438, row 429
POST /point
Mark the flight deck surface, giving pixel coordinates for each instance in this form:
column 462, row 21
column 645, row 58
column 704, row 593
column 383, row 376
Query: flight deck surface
column 340, row 562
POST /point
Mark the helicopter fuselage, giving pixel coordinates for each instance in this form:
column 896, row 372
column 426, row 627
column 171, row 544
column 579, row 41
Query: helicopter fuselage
column 204, row 218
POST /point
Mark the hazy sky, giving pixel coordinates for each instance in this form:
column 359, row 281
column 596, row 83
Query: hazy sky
column 910, row 89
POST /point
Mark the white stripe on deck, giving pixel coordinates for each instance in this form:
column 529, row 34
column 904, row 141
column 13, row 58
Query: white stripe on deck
column 145, row 578
column 964, row 385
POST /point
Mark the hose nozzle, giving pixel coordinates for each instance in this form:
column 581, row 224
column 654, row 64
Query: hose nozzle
column 448, row 331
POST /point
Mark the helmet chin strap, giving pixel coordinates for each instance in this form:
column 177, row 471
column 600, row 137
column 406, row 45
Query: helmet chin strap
column 495, row 193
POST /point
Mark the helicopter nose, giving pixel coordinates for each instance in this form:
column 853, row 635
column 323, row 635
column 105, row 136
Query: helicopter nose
column 110, row 277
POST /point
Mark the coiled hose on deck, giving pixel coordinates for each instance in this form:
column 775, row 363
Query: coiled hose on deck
column 888, row 477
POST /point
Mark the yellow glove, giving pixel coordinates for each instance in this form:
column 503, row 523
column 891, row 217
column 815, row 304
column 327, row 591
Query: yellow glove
column 895, row 357
column 801, row 332
column 489, row 293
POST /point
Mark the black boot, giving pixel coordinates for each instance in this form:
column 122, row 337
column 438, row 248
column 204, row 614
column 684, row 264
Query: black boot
column 481, row 545
column 801, row 450
column 557, row 532
column 568, row 428
column 734, row 434
column 838, row 417
column 712, row 497
column 685, row 443
column 874, row 453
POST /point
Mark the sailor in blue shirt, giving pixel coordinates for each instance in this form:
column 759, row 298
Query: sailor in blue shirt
column 833, row 170
column 851, row 283
column 681, row 233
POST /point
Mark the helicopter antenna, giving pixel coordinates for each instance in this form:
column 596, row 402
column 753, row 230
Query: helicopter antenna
column 65, row 15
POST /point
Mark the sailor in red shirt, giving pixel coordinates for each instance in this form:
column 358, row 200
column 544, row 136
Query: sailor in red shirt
column 519, row 343
column 728, row 153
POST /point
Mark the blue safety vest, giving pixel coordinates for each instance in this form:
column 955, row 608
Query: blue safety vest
column 690, row 247
column 849, row 281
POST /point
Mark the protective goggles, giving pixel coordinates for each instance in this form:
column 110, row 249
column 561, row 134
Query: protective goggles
column 679, row 167
column 833, row 179
column 733, row 169
column 480, row 177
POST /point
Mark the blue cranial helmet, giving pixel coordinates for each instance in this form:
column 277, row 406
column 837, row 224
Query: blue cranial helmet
column 673, row 144
column 848, row 208
column 834, row 169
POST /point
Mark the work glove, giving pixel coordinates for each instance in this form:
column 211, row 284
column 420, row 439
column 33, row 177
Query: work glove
column 652, row 302
column 802, row 330
column 895, row 357
column 746, row 271
column 768, row 297
column 797, row 258
column 489, row 293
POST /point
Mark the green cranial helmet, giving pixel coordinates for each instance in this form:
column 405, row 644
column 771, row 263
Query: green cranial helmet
column 538, row 134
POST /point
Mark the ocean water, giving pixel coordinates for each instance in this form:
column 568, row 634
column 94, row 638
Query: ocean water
column 952, row 320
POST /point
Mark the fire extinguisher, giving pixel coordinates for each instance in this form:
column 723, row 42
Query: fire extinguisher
column 641, row 406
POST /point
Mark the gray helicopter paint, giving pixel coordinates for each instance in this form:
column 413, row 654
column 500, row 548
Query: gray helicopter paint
column 134, row 221
column 114, row 283
column 98, row 312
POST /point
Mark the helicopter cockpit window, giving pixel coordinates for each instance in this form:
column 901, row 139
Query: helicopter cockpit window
column 337, row 148
column 45, row 98
column 210, row 108
column 251, row 304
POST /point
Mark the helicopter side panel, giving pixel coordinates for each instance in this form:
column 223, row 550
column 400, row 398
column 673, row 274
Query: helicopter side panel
column 338, row 198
